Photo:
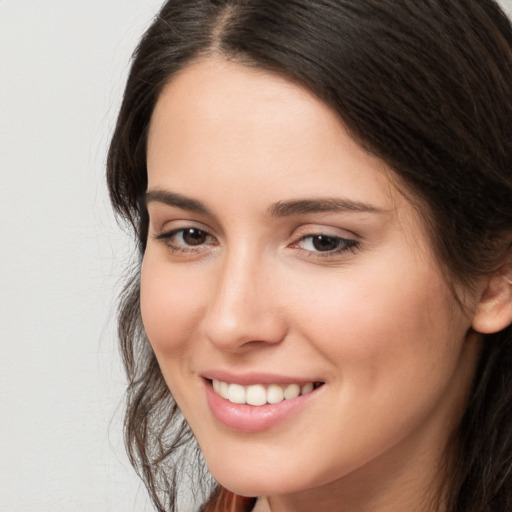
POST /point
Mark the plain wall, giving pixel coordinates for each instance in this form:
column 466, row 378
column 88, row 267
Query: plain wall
column 62, row 68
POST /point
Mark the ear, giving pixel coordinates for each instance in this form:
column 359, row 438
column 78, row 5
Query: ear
column 494, row 310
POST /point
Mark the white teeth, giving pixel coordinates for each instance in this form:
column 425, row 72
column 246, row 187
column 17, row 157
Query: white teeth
column 307, row 388
column 223, row 389
column 236, row 394
column 258, row 394
column 292, row 391
column 275, row 394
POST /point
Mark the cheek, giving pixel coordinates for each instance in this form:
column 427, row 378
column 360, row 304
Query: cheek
column 170, row 310
column 170, row 306
column 381, row 326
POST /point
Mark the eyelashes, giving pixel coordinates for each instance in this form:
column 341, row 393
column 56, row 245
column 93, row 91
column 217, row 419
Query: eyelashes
column 194, row 241
column 185, row 240
column 325, row 245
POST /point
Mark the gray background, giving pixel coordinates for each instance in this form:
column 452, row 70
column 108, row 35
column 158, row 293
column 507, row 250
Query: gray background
column 62, row 68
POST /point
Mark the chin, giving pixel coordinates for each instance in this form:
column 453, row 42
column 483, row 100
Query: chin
column 247, row 479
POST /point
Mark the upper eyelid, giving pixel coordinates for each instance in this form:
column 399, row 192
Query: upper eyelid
column 159, row 226
column 160, row 210
column 173, row 231
column 326, row 230
column 155, row 208
column 160, row 217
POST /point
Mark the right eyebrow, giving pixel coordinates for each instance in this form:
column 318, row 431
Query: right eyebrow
column 176, row 200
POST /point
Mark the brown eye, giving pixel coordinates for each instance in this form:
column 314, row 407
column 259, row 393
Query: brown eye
column 194, row 236
column 324, row 243
column 187, row 240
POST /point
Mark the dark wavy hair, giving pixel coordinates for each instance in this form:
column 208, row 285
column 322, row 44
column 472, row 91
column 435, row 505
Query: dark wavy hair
column 426, row 86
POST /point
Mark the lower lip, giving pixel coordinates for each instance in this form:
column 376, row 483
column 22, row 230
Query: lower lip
column 250, row 418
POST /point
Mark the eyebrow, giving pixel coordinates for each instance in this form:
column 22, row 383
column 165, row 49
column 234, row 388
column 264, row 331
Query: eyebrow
column 279, row 209
column 301, row 206
column 176, row 200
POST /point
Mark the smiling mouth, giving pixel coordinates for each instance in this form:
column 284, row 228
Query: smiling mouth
column 259, row 394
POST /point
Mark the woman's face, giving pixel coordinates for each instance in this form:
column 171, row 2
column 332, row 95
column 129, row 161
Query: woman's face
column 283, row 266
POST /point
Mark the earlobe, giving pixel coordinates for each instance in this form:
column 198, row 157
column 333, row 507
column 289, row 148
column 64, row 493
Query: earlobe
column 494, row 310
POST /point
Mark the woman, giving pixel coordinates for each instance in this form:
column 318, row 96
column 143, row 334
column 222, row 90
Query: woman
column 321, row 194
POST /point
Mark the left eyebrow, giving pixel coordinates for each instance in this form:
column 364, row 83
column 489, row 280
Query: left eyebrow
column 301, row 206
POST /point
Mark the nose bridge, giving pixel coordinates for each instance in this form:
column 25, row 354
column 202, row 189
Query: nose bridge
column 242, row 306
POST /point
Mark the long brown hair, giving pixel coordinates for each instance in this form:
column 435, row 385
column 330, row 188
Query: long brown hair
column 425, row 85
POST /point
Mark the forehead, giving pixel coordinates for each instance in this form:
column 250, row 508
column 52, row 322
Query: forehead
column 246, row 105
column 220, row 120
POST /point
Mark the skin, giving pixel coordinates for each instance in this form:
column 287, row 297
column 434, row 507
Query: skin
column 376, row 322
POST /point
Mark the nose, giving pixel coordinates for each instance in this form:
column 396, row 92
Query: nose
column 243, row 309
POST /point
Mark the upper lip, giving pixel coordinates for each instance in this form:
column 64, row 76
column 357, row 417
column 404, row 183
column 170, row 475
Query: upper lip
column 251, row 378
